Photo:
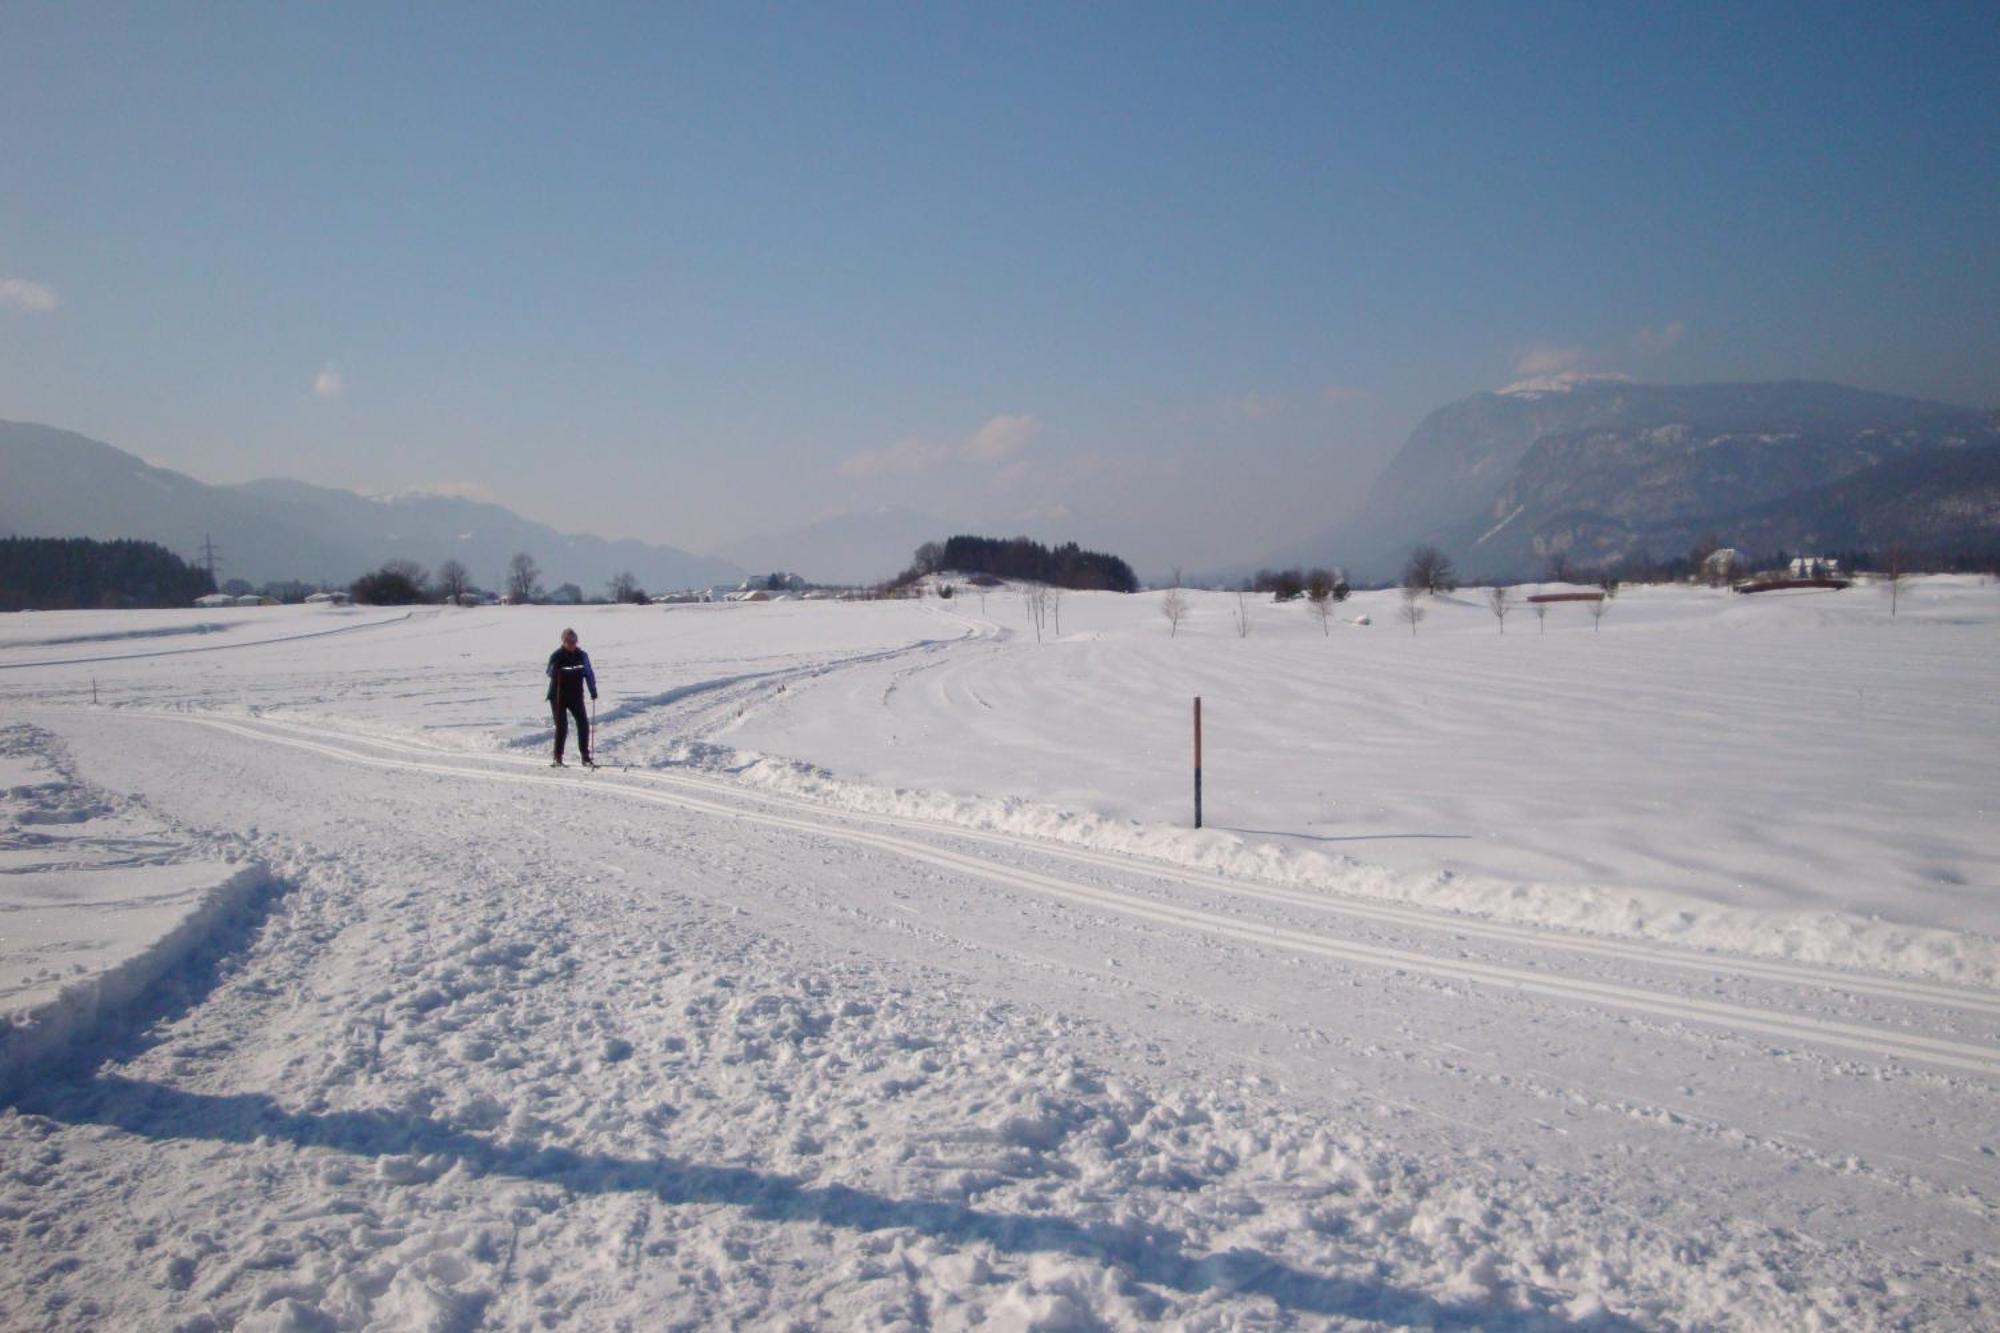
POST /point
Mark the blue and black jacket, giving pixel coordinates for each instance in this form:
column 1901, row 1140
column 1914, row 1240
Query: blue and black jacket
column 569, row 672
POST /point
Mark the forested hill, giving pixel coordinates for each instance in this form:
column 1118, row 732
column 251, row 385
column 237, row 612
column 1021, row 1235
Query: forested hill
column 77, row 573
column 1065, row 566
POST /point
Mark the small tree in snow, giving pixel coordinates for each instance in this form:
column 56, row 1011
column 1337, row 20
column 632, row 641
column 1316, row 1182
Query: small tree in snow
column 1499, row 603
column 1597, row 610
column 1411, row 611
column 1242, row 616
column 1174, row 606
column 1895, row 575
column 1541, row 610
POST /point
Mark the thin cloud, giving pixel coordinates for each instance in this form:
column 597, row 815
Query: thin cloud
column 904, row 456
column 1334, row 395
column 1657, row 342
column 1548, row 359
column 329, row 383
column 999, row 440
column 1253, row 406
column 34, row 297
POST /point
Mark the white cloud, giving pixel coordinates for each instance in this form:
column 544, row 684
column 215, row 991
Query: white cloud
column 1655, row 342
column 1002, row 438
column 329, row 383
column 1548, row 359
column 34, row 297
column 1565, row 380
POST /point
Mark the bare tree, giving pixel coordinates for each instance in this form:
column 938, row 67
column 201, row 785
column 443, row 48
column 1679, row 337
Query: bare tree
column 1411, row 611
column 1895, row 574
column 1330, row 584
column 1541, row 610
column 1055, row 595
column 453, row 580
column 1036, row 599
column 524, row 578
column 1429, row 570
column 1597, row 610
column 1174, row 606
column 1242, row 615
column 1322, row 606
column 1500, row 603
column 624, row 588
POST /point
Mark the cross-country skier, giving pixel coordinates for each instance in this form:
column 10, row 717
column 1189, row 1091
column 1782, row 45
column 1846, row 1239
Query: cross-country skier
column 569, row 672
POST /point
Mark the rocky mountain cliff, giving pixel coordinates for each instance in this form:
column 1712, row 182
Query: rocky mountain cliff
column 61, row 484
column 1601, row 471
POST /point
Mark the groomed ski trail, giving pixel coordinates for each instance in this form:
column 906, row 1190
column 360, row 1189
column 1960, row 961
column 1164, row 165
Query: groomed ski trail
column 715, row 800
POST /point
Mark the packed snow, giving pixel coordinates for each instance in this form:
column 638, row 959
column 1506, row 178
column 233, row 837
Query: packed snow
column 1633, row 972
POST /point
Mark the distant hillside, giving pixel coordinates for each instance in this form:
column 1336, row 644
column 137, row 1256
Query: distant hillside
column 61, row 484
column 75, row 573
column 1601, row 471
column 850, row 548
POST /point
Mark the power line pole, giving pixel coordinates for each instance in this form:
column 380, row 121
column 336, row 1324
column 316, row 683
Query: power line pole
column 208, row 557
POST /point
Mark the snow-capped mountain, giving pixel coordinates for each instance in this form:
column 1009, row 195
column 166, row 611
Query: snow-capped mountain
column 61, row 484
column 1603, row 469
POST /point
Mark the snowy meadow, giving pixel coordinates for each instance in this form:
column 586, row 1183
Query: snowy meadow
column 1633, row 971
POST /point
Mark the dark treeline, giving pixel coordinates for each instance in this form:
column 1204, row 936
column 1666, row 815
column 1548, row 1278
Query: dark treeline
column 1066, row 566
column 77, row 573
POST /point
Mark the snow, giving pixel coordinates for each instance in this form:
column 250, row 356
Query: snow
column 1638, row 974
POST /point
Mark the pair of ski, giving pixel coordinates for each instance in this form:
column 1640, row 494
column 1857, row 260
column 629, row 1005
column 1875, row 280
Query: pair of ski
column 557, row 763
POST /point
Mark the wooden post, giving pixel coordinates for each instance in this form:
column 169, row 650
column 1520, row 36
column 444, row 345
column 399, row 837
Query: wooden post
column 1197, row 761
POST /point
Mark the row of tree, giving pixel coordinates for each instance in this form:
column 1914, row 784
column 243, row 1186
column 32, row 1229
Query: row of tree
column 406, row 583
column 78, row 573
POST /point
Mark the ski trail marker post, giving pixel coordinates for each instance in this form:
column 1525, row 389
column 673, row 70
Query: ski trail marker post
column 1197, row 761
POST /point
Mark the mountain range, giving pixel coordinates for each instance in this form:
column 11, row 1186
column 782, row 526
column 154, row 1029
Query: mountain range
column 1597, row 471
column 1604, row 470
column 61, row 484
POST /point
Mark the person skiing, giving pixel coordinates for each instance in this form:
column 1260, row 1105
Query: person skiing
column 569, row 672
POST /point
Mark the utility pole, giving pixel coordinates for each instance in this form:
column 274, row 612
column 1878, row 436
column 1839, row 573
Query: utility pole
column 208, row 557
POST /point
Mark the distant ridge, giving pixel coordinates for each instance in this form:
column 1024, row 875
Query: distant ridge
column 1604, row 470
column 61, row 484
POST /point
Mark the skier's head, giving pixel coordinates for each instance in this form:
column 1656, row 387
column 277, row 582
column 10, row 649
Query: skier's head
column 569, row 638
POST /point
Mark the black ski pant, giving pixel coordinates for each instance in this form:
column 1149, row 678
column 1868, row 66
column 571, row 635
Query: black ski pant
column 565, row 705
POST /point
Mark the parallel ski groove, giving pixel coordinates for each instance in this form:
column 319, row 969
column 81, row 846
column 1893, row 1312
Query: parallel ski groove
column 1741, row 1018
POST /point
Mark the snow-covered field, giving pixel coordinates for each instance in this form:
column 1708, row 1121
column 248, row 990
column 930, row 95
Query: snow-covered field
column 1634, row 974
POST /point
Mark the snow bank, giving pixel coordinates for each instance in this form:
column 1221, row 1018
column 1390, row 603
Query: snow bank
column 97, row 903
column 79, row 949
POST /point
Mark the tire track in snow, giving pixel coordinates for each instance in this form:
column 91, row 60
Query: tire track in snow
column 1741, row 1018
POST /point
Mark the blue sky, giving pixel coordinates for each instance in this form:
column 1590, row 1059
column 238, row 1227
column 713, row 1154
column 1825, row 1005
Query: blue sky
column 1172, row 279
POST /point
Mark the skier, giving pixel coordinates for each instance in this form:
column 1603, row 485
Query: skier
column 569, row 672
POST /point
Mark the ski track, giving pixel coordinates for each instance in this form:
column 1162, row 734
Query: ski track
column 1874, row 1042
column 215, row 647
column 302, row 1215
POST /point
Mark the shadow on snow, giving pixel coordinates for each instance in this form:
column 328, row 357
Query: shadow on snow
column 164, row 1113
